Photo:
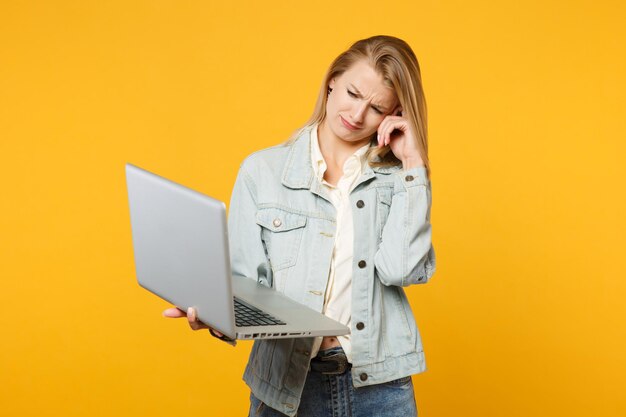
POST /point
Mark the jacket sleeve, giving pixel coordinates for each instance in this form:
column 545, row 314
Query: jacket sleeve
column 247, row 251
column 405, row 255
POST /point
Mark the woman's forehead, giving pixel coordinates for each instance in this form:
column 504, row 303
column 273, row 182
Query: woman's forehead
column 366, row 80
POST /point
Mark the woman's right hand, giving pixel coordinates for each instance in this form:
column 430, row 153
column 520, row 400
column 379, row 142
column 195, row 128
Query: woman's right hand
column 192, row 318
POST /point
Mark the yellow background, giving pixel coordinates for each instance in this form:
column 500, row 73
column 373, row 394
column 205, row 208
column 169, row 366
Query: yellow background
column 525, row 315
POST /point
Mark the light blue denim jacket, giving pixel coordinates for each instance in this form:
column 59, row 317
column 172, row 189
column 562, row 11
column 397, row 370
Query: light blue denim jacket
column 392, row 234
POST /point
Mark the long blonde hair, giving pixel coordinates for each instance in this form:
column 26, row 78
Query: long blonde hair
column 395, row 61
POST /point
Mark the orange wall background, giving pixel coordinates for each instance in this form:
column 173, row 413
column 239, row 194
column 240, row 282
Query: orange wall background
column 525, row 315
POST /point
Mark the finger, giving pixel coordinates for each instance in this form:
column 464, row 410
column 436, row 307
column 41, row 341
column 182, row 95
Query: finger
column 387, row 127
column 398, row 124
column 191, row 314
column 394, row 124
column 216, row 333
column 381, row 133
column 174, row 313
column 192, row 318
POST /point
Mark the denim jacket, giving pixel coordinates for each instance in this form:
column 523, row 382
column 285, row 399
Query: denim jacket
column 281, row 230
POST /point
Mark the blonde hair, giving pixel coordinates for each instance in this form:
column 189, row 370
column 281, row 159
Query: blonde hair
column 395, row 61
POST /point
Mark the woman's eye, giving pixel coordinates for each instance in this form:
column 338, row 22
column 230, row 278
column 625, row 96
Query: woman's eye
column 351, row 94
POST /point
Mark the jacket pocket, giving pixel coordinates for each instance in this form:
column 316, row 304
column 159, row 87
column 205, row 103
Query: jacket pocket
column 398, row 330
column 270, row 360
column 281, row 233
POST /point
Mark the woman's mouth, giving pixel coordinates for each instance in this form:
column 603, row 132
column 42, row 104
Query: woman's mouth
column 348, row 125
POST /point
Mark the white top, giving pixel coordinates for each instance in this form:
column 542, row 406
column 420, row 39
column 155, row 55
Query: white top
column 337, row 298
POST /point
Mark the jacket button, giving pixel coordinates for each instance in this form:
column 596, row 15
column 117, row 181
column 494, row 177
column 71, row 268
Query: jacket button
column 360, row 204
column 277, row 222
column 363, row 377
column 409, row 178
column 360, row 326
column 362, row 264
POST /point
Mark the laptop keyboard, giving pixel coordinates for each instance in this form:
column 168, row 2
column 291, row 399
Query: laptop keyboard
column 246, row 315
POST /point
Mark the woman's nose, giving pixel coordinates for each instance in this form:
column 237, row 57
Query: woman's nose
column 359, row 112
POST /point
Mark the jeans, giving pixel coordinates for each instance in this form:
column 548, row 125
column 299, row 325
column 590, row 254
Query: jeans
column 334, row 396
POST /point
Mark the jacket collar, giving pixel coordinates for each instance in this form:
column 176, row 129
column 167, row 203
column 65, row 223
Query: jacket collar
column 298, row 171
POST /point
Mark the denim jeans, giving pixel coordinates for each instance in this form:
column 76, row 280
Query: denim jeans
column 334, row 396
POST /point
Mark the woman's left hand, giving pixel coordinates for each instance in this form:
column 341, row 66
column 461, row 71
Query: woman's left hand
column 396, row 132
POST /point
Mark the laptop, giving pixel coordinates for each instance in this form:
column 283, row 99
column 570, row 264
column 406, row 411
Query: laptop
column 180, row 244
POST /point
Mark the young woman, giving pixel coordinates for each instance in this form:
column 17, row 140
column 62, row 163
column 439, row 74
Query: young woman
column 338, row 218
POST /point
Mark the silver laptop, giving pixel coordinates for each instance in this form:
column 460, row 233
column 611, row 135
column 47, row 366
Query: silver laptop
column 180, row 242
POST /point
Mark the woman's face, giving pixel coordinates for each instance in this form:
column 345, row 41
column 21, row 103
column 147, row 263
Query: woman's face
column 358, row 103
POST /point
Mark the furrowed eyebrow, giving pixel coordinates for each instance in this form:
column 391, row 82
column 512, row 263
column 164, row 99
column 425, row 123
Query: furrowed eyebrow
column 358, row 93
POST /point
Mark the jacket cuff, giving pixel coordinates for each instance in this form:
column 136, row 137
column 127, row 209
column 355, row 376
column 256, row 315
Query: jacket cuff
column 409, row 178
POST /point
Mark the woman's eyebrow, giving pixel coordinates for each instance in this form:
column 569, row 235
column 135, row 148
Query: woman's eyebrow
column 358, row 93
